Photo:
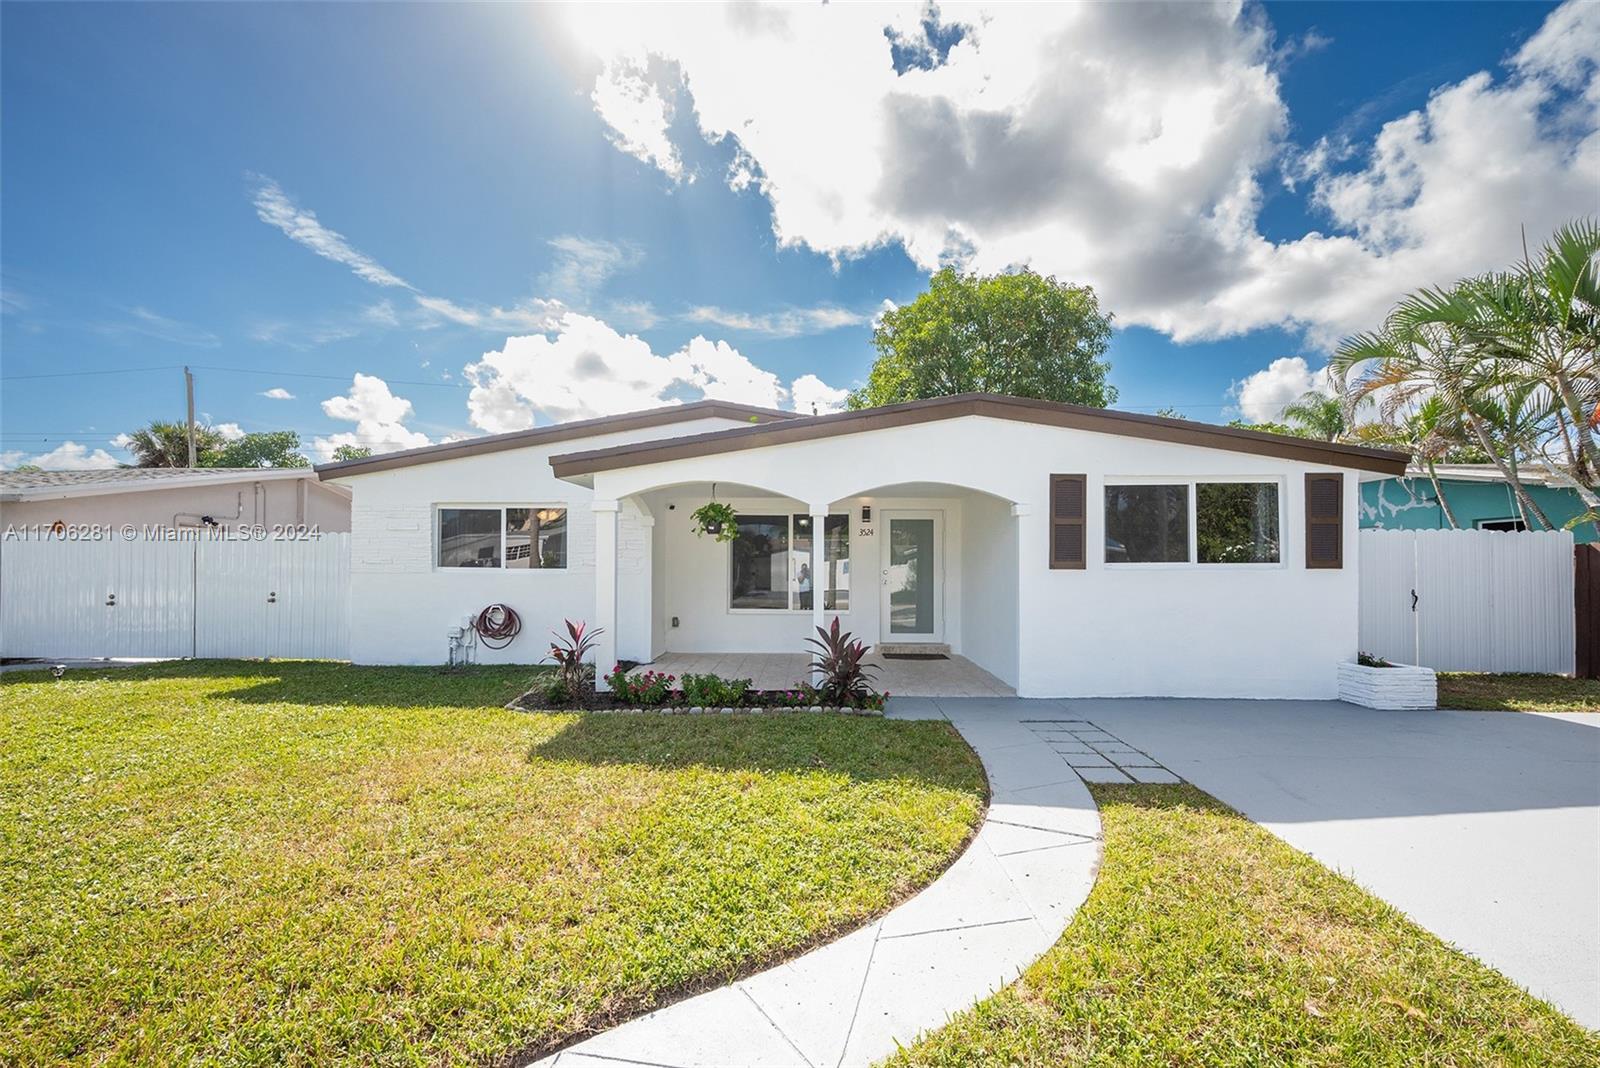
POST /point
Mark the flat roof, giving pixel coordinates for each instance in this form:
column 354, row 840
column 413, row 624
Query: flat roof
column 19, row 486
column 993, row 406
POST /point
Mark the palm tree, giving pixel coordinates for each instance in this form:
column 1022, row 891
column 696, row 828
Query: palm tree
column 1431, row 434
column 1542, row 321
column 167, row 444
column 1417, row 355
column 1317, row 415
column 1514, row 414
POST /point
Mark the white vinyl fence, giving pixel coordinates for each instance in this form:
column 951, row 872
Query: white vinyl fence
column 1469, row 600
column 199, row 595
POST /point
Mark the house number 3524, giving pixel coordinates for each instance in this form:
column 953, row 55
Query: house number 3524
column 864, row 532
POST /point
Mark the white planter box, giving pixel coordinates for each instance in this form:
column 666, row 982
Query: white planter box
column 1400, row 686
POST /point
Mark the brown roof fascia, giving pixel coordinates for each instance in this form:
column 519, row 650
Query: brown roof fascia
column 994, row 406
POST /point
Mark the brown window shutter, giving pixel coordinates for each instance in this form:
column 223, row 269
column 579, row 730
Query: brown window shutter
column 1068, row 502
column 1325, row 520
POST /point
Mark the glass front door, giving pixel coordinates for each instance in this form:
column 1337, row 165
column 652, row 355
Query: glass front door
column 911, row 578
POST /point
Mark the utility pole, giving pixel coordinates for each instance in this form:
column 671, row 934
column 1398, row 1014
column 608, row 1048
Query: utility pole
column 188, row 388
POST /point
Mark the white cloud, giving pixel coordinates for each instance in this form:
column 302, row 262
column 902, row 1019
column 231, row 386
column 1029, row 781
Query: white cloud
column 379, row 417
column 276, row 208
column 531, row 314
column 639, row 314
column 1117, row 144
column 1261, row 397
column 277, row 393
column 584, row 368
column 229, row 431
column 637, row 114
column 146, row 323
column 122, row 441
column 583, row 264
column 808, row 392
column 792, row 322
column 68, row 456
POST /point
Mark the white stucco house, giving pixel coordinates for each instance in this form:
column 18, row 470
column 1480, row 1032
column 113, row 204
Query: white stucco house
column 1067, row 551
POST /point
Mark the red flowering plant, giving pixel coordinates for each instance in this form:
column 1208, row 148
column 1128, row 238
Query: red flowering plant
column 650, row 688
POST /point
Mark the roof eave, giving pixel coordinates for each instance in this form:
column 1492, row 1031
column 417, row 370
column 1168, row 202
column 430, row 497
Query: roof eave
column 1095, row 420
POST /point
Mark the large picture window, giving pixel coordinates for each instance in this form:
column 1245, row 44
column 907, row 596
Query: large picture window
column 1147, row 524
column 1193, row 522
column 771, row 564
column 520, row 538
column 1236, row 522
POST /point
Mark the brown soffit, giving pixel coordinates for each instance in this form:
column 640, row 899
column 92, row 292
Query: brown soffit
column 993, row 406
column 610, row 424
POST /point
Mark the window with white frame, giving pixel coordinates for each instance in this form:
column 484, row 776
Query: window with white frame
column 770, row 564
column 1216, row 522
column 520, row 538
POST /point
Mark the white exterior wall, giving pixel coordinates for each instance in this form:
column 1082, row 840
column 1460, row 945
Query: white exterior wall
column 989, row 617
column 267, row 503
column 1108, row 630
column 402, row 604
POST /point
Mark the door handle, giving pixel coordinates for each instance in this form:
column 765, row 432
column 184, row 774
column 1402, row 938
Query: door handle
column 272, row 598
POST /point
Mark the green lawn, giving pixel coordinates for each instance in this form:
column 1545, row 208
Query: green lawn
column 1518, row 693
column 1208, row 942
column 319, row 864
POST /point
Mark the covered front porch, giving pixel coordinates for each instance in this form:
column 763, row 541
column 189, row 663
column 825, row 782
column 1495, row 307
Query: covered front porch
column 955, row 676
column 926, row 568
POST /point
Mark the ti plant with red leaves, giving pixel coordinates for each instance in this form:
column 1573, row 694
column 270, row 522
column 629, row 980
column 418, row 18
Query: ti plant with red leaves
column 568, row 653
column 845, row 680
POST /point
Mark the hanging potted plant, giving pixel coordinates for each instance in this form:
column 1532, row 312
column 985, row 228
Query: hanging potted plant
column 715, row 519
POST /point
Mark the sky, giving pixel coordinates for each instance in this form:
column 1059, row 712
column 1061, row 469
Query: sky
column 391, row 225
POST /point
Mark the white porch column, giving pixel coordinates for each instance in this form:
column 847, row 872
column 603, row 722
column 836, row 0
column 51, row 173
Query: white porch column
column 605, row 589
column 819, row 616
column 1031, row 548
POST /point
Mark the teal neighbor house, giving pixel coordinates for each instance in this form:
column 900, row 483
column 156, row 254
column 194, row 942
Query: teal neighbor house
column 1479, row 496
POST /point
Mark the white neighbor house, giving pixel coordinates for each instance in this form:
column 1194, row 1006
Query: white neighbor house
column 1068, row 551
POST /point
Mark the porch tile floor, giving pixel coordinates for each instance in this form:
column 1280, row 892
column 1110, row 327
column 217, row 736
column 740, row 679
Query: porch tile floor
column 955, row 677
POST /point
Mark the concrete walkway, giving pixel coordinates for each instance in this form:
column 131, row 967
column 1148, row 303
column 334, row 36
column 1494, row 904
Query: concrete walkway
column 991, row 914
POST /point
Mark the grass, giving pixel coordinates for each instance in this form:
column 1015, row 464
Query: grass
column 1518, row 693
column 318, row 864
column 1208, row 942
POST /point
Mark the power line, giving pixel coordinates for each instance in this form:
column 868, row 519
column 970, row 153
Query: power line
column 236, row 371
column 80, row 374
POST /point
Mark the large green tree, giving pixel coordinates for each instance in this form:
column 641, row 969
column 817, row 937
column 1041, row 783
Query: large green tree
column 163, row 444
column 271, row 448
column 1022, row 334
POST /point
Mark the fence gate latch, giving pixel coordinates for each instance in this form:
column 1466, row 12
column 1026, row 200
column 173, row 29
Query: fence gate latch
column 1413, row 600
column 272, row 597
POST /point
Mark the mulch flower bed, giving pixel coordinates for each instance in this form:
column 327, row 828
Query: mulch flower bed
column 769, row 701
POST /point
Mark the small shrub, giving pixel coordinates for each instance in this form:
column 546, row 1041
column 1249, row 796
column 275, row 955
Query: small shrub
column 1368, row 660
column 845, row 679
column 651, row 688
column 574, row 677
column 714, row 691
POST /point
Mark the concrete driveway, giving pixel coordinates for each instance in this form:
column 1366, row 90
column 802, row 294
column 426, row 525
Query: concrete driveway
column 1484, row 827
